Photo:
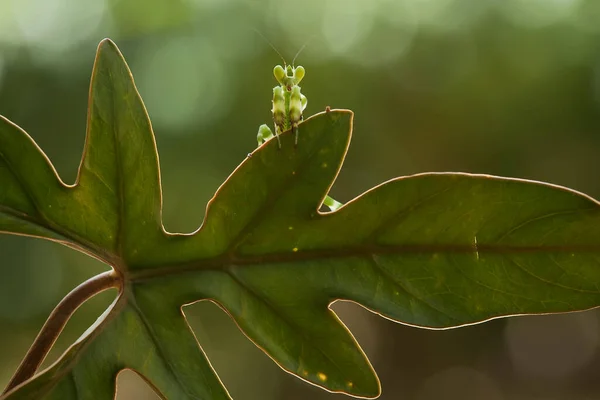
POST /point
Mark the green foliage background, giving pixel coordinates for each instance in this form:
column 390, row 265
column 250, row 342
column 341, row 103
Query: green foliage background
column 508, row 88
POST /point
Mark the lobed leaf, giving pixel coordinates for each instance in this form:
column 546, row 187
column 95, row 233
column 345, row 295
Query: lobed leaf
column 430, row 250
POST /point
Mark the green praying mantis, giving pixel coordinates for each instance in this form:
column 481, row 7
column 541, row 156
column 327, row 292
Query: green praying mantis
column 288, row 105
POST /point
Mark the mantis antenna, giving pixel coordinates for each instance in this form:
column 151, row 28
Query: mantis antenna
column 302, row 48
column 277, row 51
column 272, row 45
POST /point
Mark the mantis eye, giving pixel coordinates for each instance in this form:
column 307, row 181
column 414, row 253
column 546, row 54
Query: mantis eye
column 279, row 73
column 299, row 74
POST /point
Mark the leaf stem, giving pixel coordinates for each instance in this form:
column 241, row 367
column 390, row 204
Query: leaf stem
column 56, row 322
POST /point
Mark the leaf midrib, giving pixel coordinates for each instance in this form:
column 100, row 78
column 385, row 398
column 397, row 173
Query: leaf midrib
column 220, row 263
column 157, row 343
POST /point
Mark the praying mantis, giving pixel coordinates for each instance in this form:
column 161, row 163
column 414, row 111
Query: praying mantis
column 288, row 105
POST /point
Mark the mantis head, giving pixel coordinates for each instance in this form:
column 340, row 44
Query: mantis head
column 289, row 76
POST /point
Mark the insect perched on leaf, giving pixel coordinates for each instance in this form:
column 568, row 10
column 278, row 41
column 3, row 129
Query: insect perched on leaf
column 288, row 101
column 288, row 105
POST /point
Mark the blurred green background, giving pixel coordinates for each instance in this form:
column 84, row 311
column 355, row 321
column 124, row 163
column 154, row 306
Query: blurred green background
column 507, row 87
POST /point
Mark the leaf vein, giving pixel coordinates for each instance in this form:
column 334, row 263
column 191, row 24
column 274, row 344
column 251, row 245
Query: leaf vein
column 157, row 344
column 539, row 278
column 371, row 258
column 399, row 214
column 539, row 218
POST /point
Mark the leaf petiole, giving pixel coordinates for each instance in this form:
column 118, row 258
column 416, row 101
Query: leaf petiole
column 56, row 322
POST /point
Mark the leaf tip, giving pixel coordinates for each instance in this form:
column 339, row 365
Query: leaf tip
column 107, row 47
column 371, row 389
column 105, row 43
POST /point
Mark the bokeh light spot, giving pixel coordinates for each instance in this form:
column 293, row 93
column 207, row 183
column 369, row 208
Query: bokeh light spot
column 344, row 23
column 459, row 383
column 209, row 5
column 58, row 25
column 552, row 346
column 431, row 12
column 539, row 13
column 182, row 83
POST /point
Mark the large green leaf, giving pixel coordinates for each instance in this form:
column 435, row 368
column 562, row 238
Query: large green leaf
column 432, row 250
